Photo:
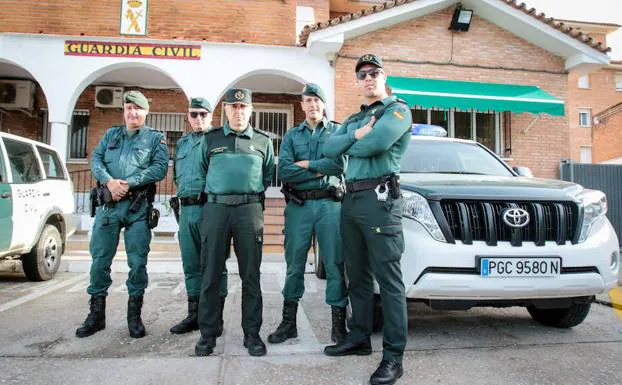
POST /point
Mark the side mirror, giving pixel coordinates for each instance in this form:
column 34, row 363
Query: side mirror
column 523, row 171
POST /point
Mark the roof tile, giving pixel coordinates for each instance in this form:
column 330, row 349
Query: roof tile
column 553, row 23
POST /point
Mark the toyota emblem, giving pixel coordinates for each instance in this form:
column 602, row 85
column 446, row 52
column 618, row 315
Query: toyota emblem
column 515, row 217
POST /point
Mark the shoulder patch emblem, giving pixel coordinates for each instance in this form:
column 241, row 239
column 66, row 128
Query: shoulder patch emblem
column 398, row 115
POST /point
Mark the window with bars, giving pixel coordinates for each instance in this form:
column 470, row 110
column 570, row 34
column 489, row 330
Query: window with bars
column 171, row 124
column 78, row 133
column 274, row 119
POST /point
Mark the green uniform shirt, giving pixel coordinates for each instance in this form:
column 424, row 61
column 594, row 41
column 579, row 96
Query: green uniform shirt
column 236, row 163
column 379, row 152
column 140, row 159
column 186, row 169
column 302, row 143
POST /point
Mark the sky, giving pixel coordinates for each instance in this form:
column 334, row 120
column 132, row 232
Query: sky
column 604, row 11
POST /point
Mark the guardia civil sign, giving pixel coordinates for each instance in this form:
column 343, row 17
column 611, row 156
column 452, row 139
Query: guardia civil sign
column 133, row 17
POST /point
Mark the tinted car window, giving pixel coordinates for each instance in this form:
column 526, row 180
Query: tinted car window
column 22, row 161
column 450, row 157
column 51, row 164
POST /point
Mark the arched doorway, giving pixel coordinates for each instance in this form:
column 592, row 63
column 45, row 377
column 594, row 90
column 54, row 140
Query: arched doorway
column 23, row 103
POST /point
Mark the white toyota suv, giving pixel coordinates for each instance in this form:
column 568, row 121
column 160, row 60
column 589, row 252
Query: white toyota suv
column 478, row 234
column 37, row 211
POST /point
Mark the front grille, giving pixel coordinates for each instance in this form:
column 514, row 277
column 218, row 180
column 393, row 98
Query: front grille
column 469, row 221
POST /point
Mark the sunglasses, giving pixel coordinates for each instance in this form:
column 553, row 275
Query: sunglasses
column 373, row 73
column 201, row 114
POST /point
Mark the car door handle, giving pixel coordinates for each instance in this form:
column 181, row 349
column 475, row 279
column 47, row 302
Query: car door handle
column 46, row 194
column 6, row 194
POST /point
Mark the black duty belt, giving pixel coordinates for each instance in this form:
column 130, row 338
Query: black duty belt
column 132, row 194
column 233, row 199
column 312, row 194
column 190, row 201
column 365, row 184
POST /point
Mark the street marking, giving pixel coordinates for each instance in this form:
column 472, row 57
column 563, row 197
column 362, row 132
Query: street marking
column 41, row 292
column 616, row 301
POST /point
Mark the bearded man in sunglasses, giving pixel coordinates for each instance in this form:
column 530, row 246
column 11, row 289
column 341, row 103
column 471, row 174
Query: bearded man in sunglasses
column 375, row 138
column 189, row 187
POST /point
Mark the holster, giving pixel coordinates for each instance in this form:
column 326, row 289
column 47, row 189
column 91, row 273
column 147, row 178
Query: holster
column 153, row 218
column 394, row 186
column 174, row 203
column 287, row 192
column 337, row 192
column 93, row 200
column 263, row 200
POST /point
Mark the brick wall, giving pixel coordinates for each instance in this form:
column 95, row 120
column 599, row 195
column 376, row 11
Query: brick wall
column 485, row 44
column 321, row 8
column 601, row 95
column 607, row 142
column 239, row 21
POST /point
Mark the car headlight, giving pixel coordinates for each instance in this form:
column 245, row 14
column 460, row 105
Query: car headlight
column 416, row 207
column 595, row 207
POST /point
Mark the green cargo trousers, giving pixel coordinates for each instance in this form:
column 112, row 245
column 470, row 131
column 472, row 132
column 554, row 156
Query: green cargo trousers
column 221, row 223
column 190, row 246
column 321, row 217
column 373, row 244
column 104, row 243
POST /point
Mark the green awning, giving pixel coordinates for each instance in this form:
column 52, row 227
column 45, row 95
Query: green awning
column 430, row 93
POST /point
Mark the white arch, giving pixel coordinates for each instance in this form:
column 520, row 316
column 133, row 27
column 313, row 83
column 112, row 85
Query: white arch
column 264, row 71
column 16, row 64
column 90, row 78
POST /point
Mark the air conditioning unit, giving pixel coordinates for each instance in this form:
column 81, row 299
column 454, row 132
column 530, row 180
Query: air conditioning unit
column 108, row 97
column 17, row 94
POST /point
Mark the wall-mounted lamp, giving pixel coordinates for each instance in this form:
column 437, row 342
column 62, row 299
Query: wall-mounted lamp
column 461, row 19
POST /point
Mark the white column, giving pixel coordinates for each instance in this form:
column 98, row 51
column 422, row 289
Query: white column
column 59, row 138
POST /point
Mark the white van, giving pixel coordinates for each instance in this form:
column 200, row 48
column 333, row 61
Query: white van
column 37, row 211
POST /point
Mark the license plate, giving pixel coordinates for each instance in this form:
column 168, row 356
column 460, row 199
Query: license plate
column 520, row 267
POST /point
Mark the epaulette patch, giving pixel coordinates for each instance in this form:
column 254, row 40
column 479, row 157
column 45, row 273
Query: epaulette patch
column 261, row 132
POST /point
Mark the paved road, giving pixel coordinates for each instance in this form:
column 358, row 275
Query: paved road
column 480, row 346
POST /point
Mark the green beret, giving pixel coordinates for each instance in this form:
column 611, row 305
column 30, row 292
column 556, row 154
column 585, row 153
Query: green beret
column 368, row 58
column 312, row 89
column 137, row 98
column 239, row 96
column 200, row 103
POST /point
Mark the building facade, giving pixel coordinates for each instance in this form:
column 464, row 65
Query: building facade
column 73, row 63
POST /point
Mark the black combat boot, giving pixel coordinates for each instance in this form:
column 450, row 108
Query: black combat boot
column 387, row 373
column 134, row 322
column 205, row 346
column 287, row 328
column 191, row 322
column 338, row 331
column 96, row 320
column 221, row 322
column 254, row 344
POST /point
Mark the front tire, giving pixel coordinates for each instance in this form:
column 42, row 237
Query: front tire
column 561, row 318
column 43, row 260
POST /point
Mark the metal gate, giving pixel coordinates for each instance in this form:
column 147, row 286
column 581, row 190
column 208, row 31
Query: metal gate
column 275, row 121
column 604, row 177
